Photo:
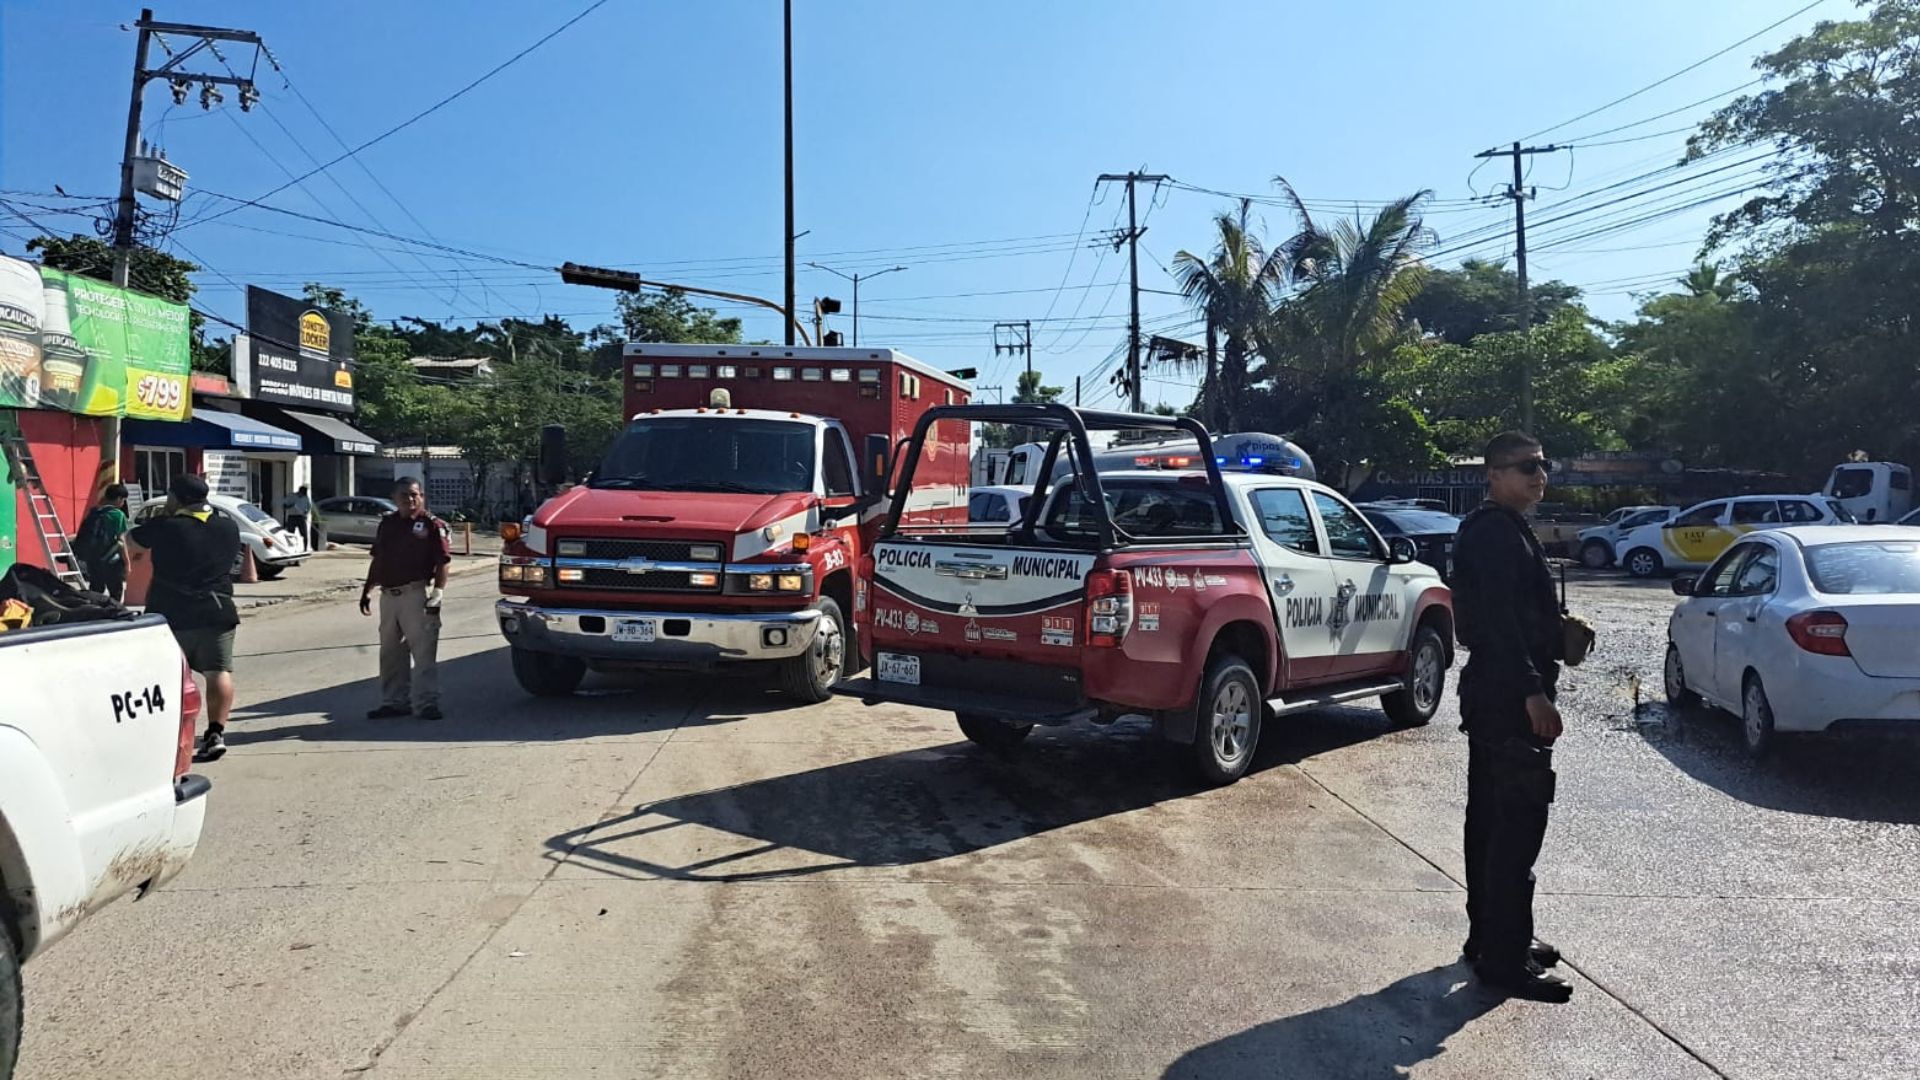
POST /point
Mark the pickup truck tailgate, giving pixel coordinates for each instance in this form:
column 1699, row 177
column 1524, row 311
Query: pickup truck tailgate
column 953, row 617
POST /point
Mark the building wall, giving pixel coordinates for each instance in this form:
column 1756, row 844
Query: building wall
column 66, row 453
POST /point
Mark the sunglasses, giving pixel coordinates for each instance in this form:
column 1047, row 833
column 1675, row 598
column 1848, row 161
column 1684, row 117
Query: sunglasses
column 1530, row 466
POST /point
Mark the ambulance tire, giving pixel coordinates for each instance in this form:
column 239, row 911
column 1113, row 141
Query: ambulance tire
column 547, row 674
column 1227, row 719
column 810, row 676
column 995, row 736
column 1426, row 683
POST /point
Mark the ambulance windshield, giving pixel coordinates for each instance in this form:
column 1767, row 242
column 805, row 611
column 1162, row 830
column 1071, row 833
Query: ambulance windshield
column 700, row 453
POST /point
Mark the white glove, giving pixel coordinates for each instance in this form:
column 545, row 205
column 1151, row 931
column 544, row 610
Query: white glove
column 435, row 594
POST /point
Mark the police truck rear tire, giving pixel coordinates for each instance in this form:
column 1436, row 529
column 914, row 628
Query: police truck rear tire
column 1227, row 721
column 1426, row 681
column 547, row 674
column 988, row 733
column 810, row 676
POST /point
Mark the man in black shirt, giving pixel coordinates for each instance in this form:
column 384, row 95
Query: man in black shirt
column 1510, row 623
column 194, row 547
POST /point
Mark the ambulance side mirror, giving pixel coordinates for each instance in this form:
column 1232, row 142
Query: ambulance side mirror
column 878, row 448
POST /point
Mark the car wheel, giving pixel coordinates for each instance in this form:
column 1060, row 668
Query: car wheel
column 990, row 733
column 269, row 571
column 11, row 1014
column 1227, row 727
column 1678, row 696
column 547, row 674
column 810, row 676
column 1596, row 555
column 1644, row 562
column 1756, row 716
column 1426, row 681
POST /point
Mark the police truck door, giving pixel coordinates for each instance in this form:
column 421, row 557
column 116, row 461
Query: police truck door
column 1300, row 580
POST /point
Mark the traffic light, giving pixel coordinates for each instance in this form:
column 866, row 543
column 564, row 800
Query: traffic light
column 832, row 339
column 600, row 277
column 964, row 373
column 826, row 305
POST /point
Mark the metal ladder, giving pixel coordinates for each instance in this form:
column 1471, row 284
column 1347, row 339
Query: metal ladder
column 46, row 517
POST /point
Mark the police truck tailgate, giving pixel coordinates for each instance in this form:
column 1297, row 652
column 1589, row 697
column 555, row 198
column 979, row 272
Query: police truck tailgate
column 953, row 619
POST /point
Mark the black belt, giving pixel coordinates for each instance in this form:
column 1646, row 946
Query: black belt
column 396, row 590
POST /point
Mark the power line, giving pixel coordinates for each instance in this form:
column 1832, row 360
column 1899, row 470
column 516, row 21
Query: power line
column 419, row 116
column 1670, row 112
column 1663, row 81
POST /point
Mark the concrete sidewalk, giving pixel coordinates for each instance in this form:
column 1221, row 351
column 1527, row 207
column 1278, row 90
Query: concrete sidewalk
column 334, row 573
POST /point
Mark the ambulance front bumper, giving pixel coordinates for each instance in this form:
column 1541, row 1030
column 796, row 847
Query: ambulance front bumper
column 665, row 638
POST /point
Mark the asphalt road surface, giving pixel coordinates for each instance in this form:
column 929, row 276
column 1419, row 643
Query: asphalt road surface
column 688, row 878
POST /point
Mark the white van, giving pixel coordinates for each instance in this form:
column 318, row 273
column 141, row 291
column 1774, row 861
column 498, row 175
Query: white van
column 1872, row 491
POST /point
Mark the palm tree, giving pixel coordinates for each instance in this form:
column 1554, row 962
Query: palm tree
column 1235, row 290
column 1706, row 279
column 1353, row 282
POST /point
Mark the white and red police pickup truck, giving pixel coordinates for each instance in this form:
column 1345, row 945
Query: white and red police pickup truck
column 1200, row 599
column 96, row 800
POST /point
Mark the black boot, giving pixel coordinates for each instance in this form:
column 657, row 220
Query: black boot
column 1526, row 982
column 1539, row 952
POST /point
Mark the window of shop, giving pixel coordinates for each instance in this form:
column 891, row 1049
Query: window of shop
column 153, row 469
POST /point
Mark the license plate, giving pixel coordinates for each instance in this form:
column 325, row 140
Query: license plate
column 897, row 668
column 640, row 630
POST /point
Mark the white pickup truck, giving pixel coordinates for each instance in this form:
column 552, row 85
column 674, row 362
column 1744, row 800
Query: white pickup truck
column 96, row 802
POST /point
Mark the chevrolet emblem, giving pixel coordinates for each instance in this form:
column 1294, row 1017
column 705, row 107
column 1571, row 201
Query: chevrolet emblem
column 637, row 566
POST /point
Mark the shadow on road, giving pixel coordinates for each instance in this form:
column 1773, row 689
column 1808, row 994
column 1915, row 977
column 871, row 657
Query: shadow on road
column 1859, row 777
column 1375, row 1036
column 483, row 703
column 922, row 805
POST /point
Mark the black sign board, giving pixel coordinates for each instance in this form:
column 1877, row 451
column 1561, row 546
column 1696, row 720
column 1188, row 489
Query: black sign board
column 302, row 355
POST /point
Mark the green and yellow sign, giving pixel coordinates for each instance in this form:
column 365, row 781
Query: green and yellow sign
column 70, row 342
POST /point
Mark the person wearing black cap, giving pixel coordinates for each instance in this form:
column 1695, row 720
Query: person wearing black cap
column 194, row 548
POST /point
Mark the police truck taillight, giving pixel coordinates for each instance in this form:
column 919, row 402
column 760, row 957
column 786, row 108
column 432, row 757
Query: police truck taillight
column 1823, row 632
column 1109, row 607
column 189, row 716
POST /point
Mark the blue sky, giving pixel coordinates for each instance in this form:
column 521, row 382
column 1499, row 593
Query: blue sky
column 960, row 140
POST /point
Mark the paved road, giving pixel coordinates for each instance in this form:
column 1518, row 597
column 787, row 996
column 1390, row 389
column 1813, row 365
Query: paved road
column 688, row 879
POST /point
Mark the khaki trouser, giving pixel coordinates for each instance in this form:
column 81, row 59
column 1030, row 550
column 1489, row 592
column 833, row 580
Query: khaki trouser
column 409, row 648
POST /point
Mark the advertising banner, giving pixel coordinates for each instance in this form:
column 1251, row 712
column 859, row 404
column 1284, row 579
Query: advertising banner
column 72, row 343
column 301, row 355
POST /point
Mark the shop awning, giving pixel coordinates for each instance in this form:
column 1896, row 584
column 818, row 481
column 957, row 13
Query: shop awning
column 212, row 430
column 340, row 436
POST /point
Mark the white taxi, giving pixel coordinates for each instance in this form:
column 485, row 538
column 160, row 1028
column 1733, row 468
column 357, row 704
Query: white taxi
column 1803, row 629
column 1699, row 534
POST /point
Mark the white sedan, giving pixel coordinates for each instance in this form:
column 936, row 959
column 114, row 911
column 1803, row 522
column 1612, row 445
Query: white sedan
column 1802, row 630
column 275, row 547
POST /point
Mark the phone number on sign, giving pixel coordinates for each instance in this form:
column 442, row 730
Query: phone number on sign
column 160, row 392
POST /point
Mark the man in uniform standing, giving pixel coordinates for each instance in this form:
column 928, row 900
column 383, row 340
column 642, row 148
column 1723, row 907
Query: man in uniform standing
column 411, row 551
column 1510, row 623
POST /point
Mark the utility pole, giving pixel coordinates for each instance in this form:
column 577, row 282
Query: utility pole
column 1076, row 391
column 1523, row 301
column 1132, row 239
column 790, row 236
column 856, row 279
column 1019, row 340
column 126, row 208
column 1209, row 389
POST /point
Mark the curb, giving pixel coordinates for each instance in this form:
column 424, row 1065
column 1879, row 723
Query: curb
column 261, row 607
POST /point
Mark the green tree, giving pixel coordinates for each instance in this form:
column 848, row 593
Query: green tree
column 668, row 316
column 1235, row 289
column 1478, row 297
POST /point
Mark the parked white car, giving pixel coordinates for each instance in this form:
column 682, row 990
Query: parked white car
column 275, row 547
column 1699, row 534
column 1802, row 629
column 1599, row 545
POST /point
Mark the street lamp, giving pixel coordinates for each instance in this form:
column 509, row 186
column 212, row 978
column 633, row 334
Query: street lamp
column 856, row 279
